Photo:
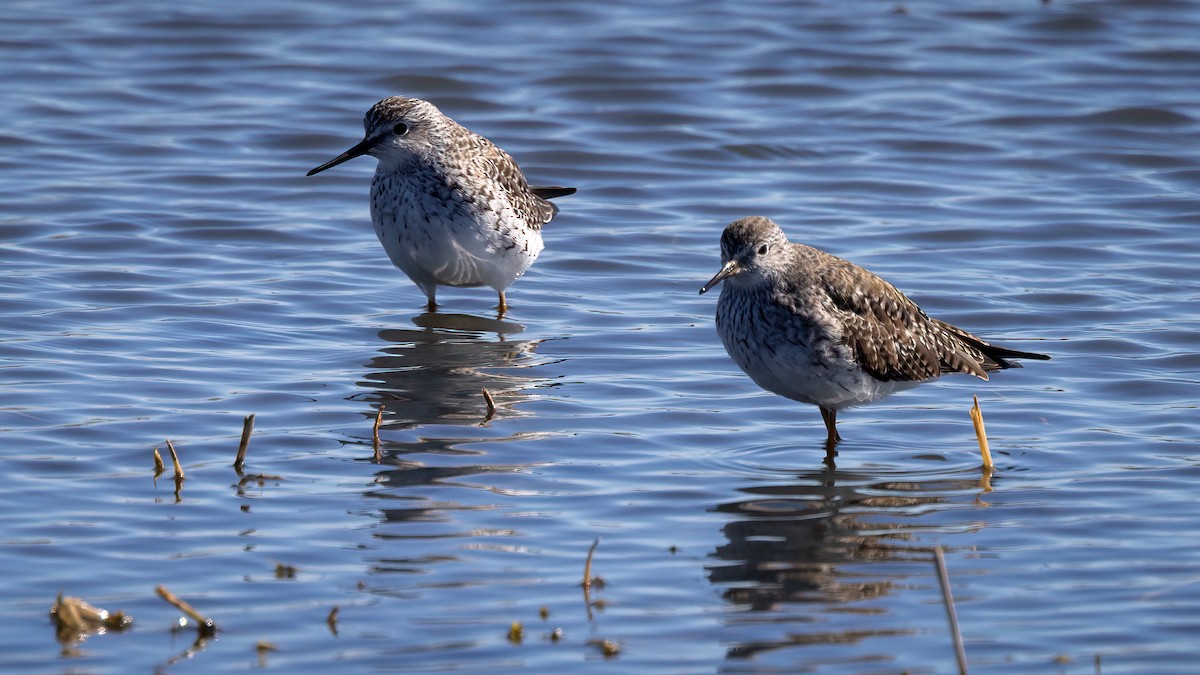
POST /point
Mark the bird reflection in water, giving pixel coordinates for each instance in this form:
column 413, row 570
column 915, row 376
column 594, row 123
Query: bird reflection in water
column 803, row 555
column 435, row 375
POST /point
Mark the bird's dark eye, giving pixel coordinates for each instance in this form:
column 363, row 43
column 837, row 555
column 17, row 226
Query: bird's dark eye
column 762, row 250
column 400, row 129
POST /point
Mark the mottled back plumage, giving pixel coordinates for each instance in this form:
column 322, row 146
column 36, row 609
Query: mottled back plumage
column 819, row 329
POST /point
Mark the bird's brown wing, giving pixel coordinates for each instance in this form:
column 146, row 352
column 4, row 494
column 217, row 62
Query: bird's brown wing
column 892, row 337
column 501, row 168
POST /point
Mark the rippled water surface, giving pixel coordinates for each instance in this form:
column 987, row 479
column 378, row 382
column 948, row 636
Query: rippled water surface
column 1026, row 170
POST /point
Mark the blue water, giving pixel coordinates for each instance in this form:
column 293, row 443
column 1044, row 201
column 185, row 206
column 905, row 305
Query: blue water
column 1026, row 170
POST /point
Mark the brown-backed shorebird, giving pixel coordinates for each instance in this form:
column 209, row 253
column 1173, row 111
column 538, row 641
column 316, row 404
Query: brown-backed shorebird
column 818, row 329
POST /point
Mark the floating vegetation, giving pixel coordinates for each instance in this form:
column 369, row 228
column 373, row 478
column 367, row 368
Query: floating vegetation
column 159, row 467
column 332, row 620
column 375, row 431
column 74, row 619
column 204, row 625
column 516, row 633
column 491, row 406
column 285, row 571
column 262, row 648
column 607, row 647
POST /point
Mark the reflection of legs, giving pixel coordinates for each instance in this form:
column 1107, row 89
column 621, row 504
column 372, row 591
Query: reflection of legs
column 830, row 456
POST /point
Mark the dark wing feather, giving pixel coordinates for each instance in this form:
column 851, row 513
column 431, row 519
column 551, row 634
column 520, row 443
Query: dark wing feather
column 892, row 337
column 551, row 191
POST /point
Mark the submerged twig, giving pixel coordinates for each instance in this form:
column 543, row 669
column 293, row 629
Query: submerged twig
column 587, row 566
column 491, row 405
column 332, row 620
column 178, row 470
column 247, row 427
column 205, row 625
column 375, row 431
column 944, row 578
column 981, row 434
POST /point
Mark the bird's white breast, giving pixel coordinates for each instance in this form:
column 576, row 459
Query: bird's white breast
column 791, row 356
column 444, row 238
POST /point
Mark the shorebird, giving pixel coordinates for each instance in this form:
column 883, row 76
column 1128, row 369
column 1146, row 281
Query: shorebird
column 449, row 206
column 815, row 328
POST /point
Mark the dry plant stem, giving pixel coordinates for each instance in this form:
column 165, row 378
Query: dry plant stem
column 247, row 427
column 159, row 467
column 587, row 566
column 205, row 623
column 491, row 403
column 981, row 434
column 175, row 460
column 944, row 578
column 375, row 431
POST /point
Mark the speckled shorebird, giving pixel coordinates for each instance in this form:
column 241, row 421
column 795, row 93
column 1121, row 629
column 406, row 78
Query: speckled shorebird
column 818, row 329
column 449, row 206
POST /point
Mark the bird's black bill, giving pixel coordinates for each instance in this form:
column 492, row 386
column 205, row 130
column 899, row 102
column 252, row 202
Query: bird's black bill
column 357, row 151
column 730, row 269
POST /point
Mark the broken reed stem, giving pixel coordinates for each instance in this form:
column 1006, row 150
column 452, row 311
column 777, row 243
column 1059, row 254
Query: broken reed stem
column 981, row 434
column 944, row 578
column 159, row 467
column 175, row 460
column 247, row 427
column 587, row 566
column 206, row 624
column 375, row 431
column 491, row 404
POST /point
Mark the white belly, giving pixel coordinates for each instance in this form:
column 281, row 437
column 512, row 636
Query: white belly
column 788, row 358
column 455, row 248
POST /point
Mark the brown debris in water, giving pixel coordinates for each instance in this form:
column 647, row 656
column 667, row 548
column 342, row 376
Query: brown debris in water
column 247, row 428
column 74, row 619
column 375, row 431
column 175, row 460
column 204, row 625
column 607, row 647
column 332, row 620
column 491, row 406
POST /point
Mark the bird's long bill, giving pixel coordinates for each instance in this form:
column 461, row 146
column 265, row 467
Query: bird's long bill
column 357, row 151
column 730, row 269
